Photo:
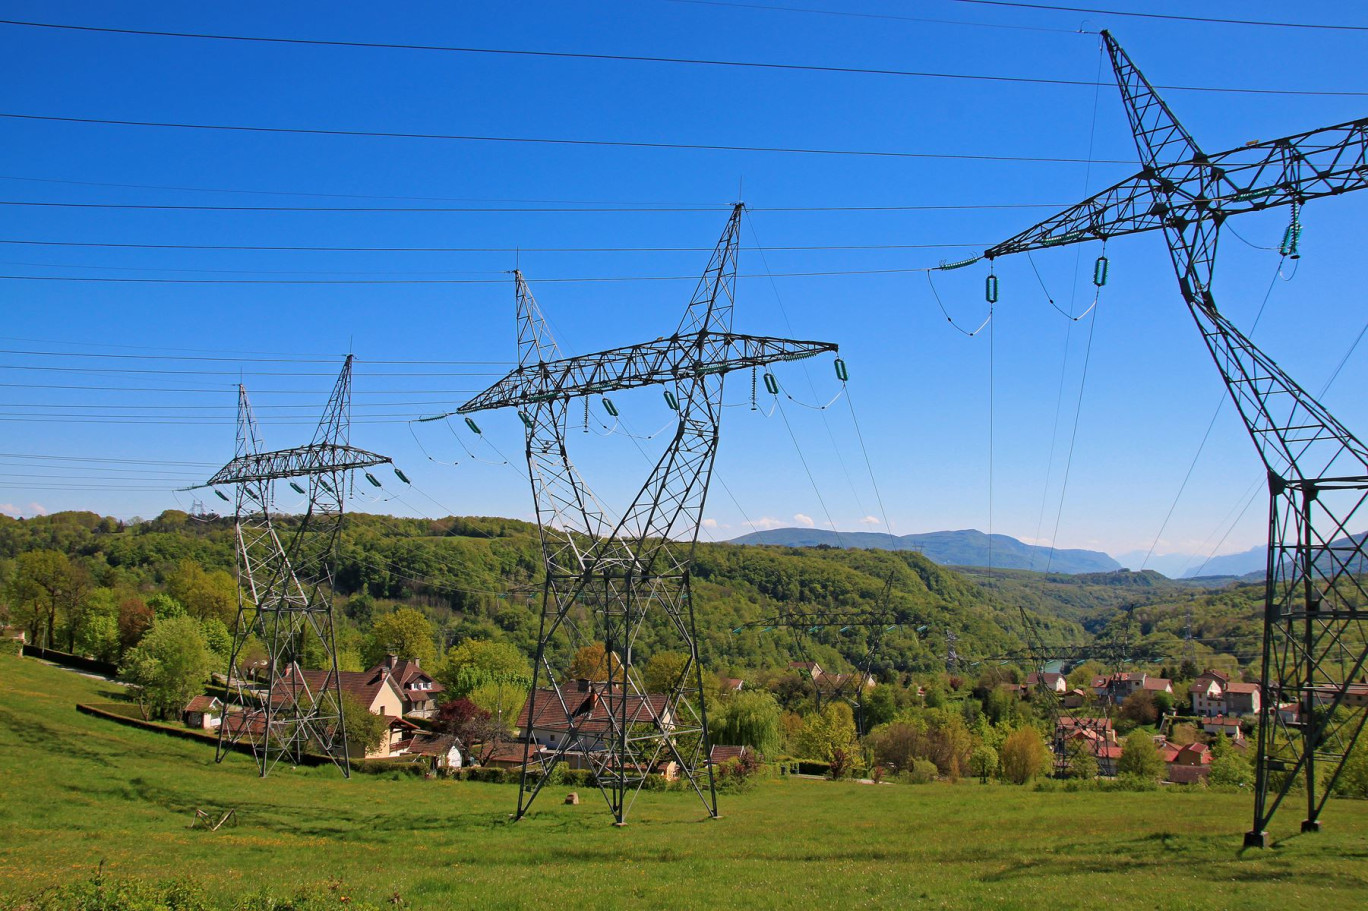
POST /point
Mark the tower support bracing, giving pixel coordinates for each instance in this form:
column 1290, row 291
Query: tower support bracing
column 606, row 578
column 1312, row 687
column 283, row 687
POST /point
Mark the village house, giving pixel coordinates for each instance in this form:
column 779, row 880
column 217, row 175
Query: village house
column 378, row 692
column 1213, row 694
column 721, row 753
column 1117, row 687
column 442, row 751
column 1187, row 764
column 418, row 688
column 589, row 717
column 203, row 712
column 1095, row 734
column 1054, row 682
column 729, row 684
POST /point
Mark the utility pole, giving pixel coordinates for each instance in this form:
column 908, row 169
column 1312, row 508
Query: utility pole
column 1314, row 649
column 605, row 578
column 292, row 702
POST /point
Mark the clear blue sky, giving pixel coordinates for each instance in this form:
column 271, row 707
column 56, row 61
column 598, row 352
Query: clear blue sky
column 920, row 388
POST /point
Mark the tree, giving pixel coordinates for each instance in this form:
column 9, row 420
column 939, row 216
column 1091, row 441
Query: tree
column 469, row 723
column 1024, row 755
column 365, row 731
column 205, row 595
column 984, row 761
column 169, row 666
column 1231, row 768
column 476, row 662
column 1140, row 757
column 1082, row 762
column 135, row 619
column 828, row 732
column 749, row 718
column 591, row 663
column 503, row 701
column 46, row 584
column 405, row 633
column 663, row 671
column 1139, row 707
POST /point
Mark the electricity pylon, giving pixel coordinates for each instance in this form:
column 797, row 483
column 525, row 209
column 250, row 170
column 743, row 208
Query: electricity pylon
column 289, row 701
column 876, row 621
column 604, row 578
column 1314, row 647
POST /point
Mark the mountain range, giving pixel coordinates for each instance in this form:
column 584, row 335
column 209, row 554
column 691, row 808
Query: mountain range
column 967, row 547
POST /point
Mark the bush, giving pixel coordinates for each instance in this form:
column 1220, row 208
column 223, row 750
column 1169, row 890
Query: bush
column 813, row 767
column 923, row 771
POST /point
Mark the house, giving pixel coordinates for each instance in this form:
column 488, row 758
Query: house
column 1355, row 694
column 416, row 685
column 1208, row 693
column 509, row 755
column 721, row 753
column 588, row 716
column 443, row 751
column 1242, row 699
column 14, row 633
column 1096, row 734
column 1228, row 725
column 1056, row 683
column 203, row 712
column 806, row 668
column 729, row 684
column 375, row 689
column 1116, row 687
column 1075, row 698
column 1190, row 763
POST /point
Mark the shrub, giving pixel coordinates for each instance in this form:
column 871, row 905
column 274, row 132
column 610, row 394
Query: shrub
column 923, row 771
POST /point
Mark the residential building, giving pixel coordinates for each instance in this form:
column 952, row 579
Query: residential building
column 418, row 688
column 1053, row 682
column 203, row 712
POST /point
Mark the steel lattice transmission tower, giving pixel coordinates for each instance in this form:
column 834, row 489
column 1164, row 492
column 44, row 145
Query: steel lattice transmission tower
column 604, row 578
column 290, row 701
column 1313, row 643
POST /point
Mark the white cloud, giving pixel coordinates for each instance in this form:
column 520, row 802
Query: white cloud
column 9, row 509
column 805, row 521
column 769, row 522
column 869, row 520
column 37, row 509
column 709, row 523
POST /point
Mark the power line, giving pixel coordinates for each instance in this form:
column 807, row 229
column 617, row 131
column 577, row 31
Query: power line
column 515, row 250
column 536, row 140
column 884, row 17
column 102, row 279
column 639, row 58
column 1172, row 17
column 259, row 360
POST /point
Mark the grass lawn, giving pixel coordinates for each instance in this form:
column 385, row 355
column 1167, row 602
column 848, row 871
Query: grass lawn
column 75, row 791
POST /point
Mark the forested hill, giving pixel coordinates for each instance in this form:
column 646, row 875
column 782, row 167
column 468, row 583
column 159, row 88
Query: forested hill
column 480, row 577
column 968, row 547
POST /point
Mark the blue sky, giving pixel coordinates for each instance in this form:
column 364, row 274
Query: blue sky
column 920, row 390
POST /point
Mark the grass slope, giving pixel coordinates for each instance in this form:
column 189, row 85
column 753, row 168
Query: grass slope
column 78, row 791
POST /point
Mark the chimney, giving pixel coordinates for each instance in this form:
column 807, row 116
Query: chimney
column 582, row 685
column 390, row 660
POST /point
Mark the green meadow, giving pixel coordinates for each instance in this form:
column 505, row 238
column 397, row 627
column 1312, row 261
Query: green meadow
column 77, row 792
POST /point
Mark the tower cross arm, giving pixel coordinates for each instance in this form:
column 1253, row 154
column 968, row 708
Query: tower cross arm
column 661, row 361
column 318, row 458
column 1318, row 163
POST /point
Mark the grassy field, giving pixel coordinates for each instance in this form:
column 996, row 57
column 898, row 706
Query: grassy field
column 76, row 791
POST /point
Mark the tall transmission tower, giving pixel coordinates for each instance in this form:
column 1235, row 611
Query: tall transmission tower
column 604, row 578
column 289, row 700
column 1313, row 641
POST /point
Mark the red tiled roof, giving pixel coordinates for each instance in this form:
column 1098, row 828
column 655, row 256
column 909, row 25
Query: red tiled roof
column 203, row 704
column 506, row 752
column 730, row 683
column 1242, row 688
column 363, row 685
column 1157, row 683
column 721, row 753
column 591, row 711
column 428, row 744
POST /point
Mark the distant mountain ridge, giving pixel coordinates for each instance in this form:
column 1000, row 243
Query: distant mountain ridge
column 967, row 547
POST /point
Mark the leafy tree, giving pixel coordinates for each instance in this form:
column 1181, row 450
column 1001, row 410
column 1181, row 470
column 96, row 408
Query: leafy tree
column 476, row 662
column 44, row 586
column 1024, row 755
column 591, row 663
column 749, row 718
column 205, row 594
column 406, row 633
column 1082, row 762
column 469, row 723
column 663, row 671
column 365, row 732
column 1232, row 769
column 1140, row 757
column 217, row 638
column 503, row 701
column 98, row 635
column 135, row 619
column 880, row 705
column 1139, row 707
column 165, row 607
column 829, row 732
column 169, row 666
column 984, row 761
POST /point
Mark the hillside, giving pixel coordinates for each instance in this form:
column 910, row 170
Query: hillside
column 82, row 794
column 479, row 577
column 968, row 547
